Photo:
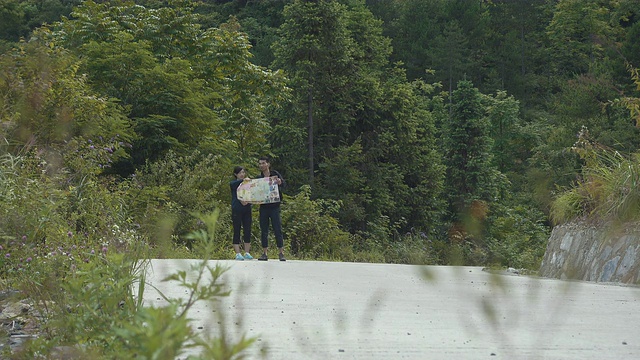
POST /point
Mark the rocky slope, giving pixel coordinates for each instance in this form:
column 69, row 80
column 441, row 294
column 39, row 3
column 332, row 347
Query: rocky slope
column 600, row 252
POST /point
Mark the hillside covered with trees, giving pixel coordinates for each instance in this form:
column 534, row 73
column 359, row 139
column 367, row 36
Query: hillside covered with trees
column 414, row 128
column 409, row 131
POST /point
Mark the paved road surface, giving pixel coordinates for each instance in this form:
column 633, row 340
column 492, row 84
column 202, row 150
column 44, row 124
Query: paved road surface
column 326, row 310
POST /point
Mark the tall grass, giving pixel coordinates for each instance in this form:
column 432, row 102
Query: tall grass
column 609, row 187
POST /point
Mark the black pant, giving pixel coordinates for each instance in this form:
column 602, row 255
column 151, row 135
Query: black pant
column 273, row 214
column 241, row 218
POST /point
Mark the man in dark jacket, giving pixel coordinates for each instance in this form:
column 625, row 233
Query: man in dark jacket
column 271, row 212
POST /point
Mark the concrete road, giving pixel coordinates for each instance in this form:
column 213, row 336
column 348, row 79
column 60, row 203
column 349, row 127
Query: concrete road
column 326, row 310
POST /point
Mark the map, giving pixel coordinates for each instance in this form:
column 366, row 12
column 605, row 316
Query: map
column 259, row 191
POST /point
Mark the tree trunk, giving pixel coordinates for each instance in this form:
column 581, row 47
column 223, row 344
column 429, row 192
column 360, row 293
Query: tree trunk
column 310, row 126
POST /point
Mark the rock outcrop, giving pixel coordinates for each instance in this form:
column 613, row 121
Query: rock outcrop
column 593, row 252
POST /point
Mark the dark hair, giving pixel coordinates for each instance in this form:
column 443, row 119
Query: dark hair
column 265, row 158
column 237, row 169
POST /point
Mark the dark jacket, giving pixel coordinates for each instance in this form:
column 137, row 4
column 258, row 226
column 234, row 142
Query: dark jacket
column 280, row 187
column 236, row 205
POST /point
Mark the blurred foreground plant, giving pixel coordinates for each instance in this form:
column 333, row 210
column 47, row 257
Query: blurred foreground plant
column 96, row 310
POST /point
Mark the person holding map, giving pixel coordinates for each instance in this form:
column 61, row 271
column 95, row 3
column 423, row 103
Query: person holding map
column 271, row 212
column 240, row 216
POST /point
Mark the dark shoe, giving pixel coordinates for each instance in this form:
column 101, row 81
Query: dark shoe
column 263, row 257
column 281, row 256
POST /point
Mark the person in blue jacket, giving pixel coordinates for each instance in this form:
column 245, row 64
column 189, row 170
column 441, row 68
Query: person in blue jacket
column 240, row 216
column 271, row 212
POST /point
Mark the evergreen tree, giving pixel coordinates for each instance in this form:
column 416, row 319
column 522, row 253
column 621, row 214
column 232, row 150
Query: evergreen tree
column 471, row 175
column 315, row 49
column 515, row 55
column 372, row 141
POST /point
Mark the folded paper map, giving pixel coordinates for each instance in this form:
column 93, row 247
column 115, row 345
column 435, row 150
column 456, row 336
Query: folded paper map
column 259, row 191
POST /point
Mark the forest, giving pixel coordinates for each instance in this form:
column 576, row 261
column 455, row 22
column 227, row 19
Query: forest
column 440, row 132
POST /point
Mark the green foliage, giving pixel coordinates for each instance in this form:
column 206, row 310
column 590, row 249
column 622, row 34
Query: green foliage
column 244, row 91
column 315, row 49
column 19, row 17
column 342, row 179
column 471, row 177
column 312, row 231
column 608, row 188
column 445, row 36
column 11, row 18
column 183, row 87
column 45, row 100
column 206, row 241
column 30, row 202
column 95, row 309
column 179, row 185
column 577, row 32
column 505, row 129
column 515, row 36
column 633, row 103
column 517, row 237
column 402, row 154
column 44, row 201
column 417, row 249
column 568, row 205
column 92, row 298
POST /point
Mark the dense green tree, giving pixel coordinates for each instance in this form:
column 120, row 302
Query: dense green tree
column 315, row 49
column 631, row 47
column 46, row 102
column 417, row 24
column 471, row 175
column 514, row 48
column 185, row 87
column 492, row 218
column 579, row 34
column 450, row 55
column 514, row 142
column 402, row 154
column 506, row 131
column 446, row 36
column 11, row 20
column 373, row 136
column 260, row 20
column 19, row 17
column 334, row 54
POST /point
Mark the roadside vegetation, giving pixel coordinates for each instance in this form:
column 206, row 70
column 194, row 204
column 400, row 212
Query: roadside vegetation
column 607, row 188
column 410, row 132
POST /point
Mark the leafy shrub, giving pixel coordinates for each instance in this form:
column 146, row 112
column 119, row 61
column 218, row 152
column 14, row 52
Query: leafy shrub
column 415, row 249
column 179, row 185
column 311, row 230
column 53, row 217
column 364, row 249
column 95, row 310
column 30, row 200
column 517, row 237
